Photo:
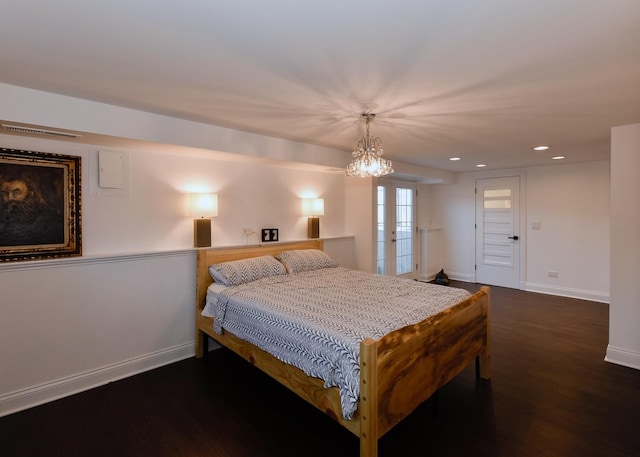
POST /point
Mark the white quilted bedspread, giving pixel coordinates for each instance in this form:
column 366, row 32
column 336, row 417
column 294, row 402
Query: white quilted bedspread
column 315, row 320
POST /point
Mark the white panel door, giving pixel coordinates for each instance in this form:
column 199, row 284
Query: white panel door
column 497, row 232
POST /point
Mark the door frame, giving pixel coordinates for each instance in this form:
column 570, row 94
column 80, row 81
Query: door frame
column 522, row 209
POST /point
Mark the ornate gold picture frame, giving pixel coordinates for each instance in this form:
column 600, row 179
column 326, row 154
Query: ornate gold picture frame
column 40, row 205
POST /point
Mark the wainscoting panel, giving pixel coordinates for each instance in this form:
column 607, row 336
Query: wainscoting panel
column 73, row 324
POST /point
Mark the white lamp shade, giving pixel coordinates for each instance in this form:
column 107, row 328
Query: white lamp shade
column 204, row 205
column 313, row 206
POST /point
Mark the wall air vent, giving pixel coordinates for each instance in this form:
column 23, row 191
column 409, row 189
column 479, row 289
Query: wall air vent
column 34, row 131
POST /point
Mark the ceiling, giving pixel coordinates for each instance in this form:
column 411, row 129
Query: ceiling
column 482, row 80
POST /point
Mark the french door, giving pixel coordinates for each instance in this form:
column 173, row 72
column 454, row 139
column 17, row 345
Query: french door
column 396, row 229
column 497, row 231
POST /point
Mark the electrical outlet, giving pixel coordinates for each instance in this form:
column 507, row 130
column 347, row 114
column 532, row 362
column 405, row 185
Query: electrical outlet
column 248, row 232
column 552, row 274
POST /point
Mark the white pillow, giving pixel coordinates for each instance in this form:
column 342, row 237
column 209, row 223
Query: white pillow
column 238, row 272
column 300, row 260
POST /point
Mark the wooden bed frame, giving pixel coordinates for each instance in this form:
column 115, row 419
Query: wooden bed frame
column 397, row 372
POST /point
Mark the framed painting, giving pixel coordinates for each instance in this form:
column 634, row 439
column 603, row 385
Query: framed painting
column 40, row 205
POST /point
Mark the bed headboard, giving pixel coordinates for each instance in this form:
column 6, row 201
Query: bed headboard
column 210, row 256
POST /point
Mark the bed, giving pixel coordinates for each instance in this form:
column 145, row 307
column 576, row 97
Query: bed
column 397, row 372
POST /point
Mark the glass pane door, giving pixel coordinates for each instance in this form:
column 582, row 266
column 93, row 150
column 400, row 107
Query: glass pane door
column 381, row 244
column 396, row 228
column 404, row 231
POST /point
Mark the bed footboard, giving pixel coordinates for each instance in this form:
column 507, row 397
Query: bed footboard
column 404, row 368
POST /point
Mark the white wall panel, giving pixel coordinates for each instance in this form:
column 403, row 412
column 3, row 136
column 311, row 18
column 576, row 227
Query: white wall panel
column 571, row 205
column 68, row 325
column 624, row 312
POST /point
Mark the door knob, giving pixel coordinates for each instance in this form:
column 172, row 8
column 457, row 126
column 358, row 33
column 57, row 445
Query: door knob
column 514, row 237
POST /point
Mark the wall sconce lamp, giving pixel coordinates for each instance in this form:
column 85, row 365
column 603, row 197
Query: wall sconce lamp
column 313, row 207
column 203, row 208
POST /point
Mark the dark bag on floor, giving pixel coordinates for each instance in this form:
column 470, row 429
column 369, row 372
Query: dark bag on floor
column 442, row 278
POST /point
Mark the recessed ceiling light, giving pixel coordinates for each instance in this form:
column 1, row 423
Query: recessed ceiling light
column 541, row 148
column 481, row 165
column 453, row 159
column 558, row 157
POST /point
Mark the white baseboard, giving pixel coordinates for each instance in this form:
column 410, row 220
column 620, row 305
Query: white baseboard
column 462, row 277
column 44, row 393
column 590, row 295
column 532, row 287
column 623, row 357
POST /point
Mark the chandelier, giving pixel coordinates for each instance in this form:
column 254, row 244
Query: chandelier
column 367, row 157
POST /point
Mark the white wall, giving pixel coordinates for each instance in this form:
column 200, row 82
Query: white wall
column 624, row 312
column 429, row 239
column 360, row 220
column 572, row 204
column 127, row 304
column 453, row 215
column 155, row 214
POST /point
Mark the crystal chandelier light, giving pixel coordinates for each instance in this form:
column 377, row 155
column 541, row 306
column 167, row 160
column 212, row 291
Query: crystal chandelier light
column 367, row 157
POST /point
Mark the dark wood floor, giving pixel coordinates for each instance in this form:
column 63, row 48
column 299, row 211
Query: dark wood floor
column 551, row 395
